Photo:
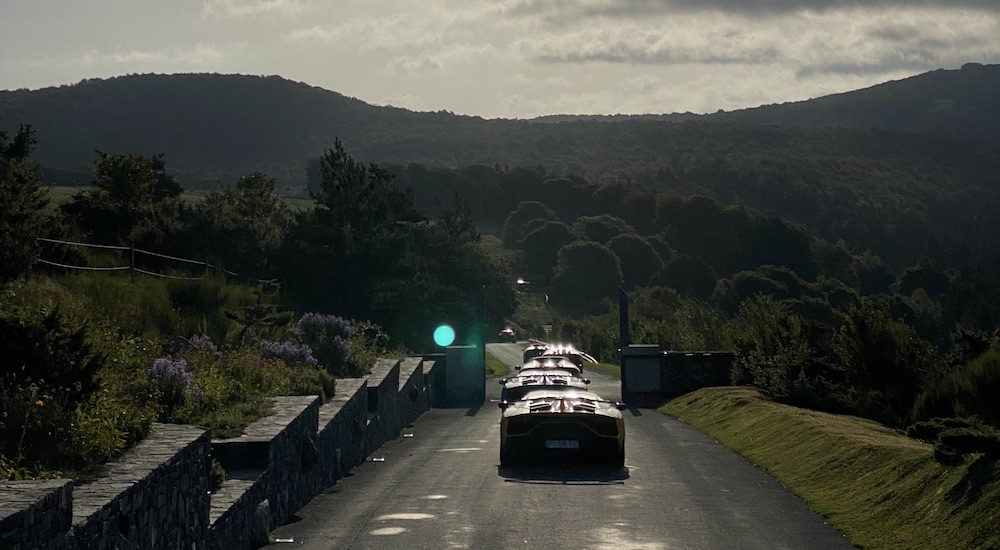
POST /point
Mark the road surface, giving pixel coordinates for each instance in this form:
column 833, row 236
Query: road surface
column 439, row 486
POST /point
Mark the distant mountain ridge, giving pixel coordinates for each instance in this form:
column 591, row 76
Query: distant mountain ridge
column 221, row 126
column 964, row 102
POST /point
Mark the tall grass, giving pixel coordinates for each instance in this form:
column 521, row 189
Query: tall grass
column 153, row 308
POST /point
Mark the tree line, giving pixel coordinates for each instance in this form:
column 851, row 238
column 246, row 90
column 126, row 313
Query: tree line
column 363, row 250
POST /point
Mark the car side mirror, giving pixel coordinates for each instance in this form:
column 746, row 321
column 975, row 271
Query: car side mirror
column 586, row 380
column 502, row 381
column 503, row 405
column 621, row 406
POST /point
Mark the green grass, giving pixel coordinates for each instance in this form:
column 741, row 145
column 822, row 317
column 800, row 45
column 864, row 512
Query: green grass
column 495, row 368
column 606, row 368
column 880, row 488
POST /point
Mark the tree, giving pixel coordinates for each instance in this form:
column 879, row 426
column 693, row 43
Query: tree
column 602, row 228
column 541, row 247
column 364, row 252
column 457, row 221
column 688, row 274
column 874, row 276
column 133, row 199
column 243, row 225
column 586, row 273
column 516, row 226
column 770, row 343
column 638, row 258
column 884, row 359
column 354, row 237
column 22, row 204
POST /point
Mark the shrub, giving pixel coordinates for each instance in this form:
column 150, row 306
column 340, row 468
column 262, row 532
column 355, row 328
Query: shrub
column 35, row 425
column 200, row 304
column 287, row 352
column 884, row 356
column 329, row 337
column 107, row 425
column 172, row 380
column 966, row 391
column 42, row 345
column 227, row 394
column 216, row 476
column 953, row 438
column 205, row 344
column 770, row 344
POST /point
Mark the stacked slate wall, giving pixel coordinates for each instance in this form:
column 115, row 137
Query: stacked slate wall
column 157, row 495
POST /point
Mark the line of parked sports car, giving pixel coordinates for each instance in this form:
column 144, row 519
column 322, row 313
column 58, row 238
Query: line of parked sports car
column 550, row 416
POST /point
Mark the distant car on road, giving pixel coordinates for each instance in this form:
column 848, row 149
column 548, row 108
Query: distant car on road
column 507, row 335
column 562, row 424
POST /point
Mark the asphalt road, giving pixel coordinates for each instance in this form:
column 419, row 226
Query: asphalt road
column 439, row 486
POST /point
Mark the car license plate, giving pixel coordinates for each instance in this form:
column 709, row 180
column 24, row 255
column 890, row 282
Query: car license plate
column 562, row 444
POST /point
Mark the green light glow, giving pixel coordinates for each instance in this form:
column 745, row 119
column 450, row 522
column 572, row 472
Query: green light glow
column 444, row 335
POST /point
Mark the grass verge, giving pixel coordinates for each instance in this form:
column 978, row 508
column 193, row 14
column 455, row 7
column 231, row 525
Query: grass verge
column 880, row 488
column 606, row 368
column 495, row 368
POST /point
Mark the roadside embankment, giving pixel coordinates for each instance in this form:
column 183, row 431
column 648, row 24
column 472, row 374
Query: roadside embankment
column 883, row 490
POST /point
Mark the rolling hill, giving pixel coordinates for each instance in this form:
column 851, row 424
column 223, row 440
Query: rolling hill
column 211, row 127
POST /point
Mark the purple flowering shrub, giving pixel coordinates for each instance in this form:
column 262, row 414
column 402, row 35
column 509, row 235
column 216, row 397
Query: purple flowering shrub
column 329, row 337
column 205, row 344
column 173, row 382
column 288, row 352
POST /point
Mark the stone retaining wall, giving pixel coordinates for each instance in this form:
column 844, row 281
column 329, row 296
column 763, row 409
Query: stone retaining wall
column 36, row 514
column 154, row 496
column 157, row 495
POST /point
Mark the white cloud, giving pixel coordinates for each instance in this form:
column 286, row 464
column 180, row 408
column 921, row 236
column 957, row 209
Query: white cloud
column 245, row 8
column 202, row 56
column 514, row 58
column 408, row 64
column 651, row 46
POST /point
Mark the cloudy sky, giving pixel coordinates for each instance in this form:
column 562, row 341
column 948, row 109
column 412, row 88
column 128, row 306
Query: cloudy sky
column 508, row 58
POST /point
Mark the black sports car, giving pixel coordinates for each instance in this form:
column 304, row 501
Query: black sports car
column 560, row 424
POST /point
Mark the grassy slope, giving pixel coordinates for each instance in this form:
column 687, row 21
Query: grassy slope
column 880, row 488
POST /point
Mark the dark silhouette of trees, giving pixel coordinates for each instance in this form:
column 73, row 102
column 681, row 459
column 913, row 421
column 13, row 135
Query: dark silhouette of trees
column 242, row 226
column 528, row 216
column 22, row 204
column 886, row 362
column 638, row 258
column 601, row 228
column 541, row 247
column 365, row 252
column 349, row 239
column 586, row 273
column 132, row 200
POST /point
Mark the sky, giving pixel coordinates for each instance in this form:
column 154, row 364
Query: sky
column 508, row 58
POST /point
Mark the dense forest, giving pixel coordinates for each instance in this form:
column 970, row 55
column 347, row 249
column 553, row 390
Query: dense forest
column 849, row 269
